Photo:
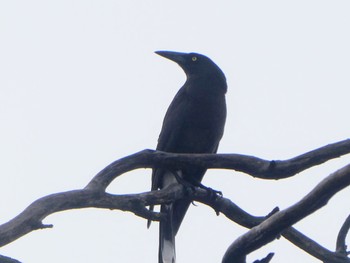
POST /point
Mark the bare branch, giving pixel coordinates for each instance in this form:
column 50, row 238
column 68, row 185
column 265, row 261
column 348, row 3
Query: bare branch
column 94, row 193
column 274, row 225
column 241, row 217
column 341, row 243
column 310, row 246
column 31, row 218
column 248, row 164
column 4, row 259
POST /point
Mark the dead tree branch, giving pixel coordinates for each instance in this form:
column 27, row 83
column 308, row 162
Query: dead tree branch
column 253, row 166
column 31, row 218
column 94, row 195
column 241, row 217
column 268, row 230
column 4, row 259
column 341, row 245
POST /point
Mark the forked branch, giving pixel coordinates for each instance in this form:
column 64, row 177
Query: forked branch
column 94, row 195
column 268, row 230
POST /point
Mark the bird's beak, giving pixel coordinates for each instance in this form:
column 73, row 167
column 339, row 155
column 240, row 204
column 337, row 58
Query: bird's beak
column 177, row 57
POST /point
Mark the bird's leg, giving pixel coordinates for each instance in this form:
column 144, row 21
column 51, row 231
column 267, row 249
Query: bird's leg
column 213, row 194
column 190, row 185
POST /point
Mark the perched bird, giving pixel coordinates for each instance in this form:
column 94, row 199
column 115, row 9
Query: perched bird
column 194, row 123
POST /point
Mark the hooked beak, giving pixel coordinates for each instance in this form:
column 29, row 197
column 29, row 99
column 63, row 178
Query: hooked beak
column 177, row 57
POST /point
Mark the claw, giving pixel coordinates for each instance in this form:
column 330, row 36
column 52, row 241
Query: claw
column 212, row 193
column 190, row 186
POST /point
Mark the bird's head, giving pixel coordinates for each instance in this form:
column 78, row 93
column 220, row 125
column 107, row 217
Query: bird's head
column 196, row 66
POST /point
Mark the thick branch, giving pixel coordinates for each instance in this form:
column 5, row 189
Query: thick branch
column 238, row 215
column 4, row 259
column 310, row 246
column 94, row 196
column 31, row 218
column 248, row 164
column 274, row 225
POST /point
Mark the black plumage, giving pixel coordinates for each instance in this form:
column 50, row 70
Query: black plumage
column 194, row 123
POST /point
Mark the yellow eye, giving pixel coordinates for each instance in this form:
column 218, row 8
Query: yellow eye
column 194, row 58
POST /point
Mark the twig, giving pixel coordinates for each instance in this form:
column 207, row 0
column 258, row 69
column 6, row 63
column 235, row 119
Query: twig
column 266, row 259
column 341, row 243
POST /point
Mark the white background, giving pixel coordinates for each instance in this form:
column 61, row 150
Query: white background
column 81, row 87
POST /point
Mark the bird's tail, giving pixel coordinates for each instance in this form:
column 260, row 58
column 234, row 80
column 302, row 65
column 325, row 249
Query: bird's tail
column 166, row 236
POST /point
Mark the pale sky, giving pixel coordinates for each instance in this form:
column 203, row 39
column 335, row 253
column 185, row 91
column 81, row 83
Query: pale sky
column 81, row 87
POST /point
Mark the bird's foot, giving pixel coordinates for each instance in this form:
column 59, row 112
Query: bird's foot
column 211, row 192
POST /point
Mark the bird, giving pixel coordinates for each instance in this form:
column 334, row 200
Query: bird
column 193, row 123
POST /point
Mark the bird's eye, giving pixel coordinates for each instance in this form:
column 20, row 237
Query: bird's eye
column 194, row 58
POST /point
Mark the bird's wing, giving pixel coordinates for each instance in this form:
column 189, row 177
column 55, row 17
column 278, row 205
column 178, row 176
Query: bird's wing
column 168, row 136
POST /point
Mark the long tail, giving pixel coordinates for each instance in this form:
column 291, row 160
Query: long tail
column 167, row 236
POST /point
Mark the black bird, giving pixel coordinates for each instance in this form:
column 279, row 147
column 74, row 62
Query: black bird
column 194, row 123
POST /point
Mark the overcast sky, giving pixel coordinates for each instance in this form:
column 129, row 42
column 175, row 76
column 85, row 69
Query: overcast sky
column 81, row 87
